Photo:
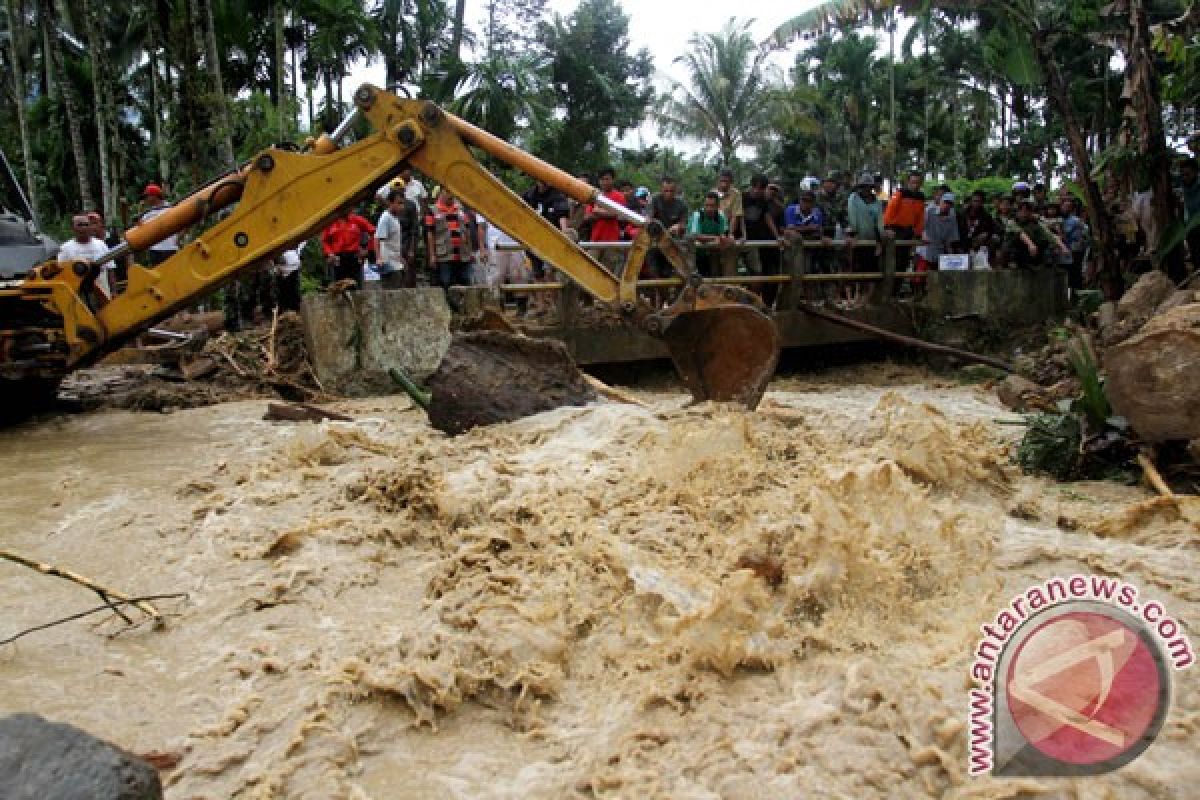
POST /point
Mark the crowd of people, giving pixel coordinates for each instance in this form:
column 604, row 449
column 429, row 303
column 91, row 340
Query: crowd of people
column 433, row 239
column 422, row 237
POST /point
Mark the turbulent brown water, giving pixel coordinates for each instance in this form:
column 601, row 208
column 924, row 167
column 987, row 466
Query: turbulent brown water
column 608, row 601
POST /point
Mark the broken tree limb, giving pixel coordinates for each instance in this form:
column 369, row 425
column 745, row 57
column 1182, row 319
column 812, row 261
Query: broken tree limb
column 910, row 341
column 106, row 594
column 80, row 615
column 612, row 392
column 419, row 397
column 1153, row 476
column 302, row 412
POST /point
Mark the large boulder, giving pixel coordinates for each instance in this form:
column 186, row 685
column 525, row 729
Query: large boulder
column 43, row 760
column 1152, row 377
column 1135, row 307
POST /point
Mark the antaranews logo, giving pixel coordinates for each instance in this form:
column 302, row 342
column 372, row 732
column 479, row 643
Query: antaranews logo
column 1072, row 678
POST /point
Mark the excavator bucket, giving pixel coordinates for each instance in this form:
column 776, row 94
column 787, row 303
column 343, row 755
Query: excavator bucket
column 724, row 345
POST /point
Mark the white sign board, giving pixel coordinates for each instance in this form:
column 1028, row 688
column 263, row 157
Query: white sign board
column 958, row 261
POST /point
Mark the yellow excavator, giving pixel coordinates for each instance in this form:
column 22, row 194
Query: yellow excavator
column 720, row 337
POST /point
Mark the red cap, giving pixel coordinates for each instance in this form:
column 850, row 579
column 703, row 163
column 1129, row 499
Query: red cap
column 152, row 190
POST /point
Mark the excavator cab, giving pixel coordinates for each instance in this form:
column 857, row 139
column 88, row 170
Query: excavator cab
column 721, row 338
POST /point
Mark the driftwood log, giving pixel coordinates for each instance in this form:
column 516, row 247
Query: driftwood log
column 302, row 412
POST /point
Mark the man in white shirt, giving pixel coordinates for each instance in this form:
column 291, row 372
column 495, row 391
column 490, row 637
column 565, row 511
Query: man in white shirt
column 155, row 204
column 506, row 263
column 392, row 235
column 287, row 271
column 413, row 190
column 86, row 247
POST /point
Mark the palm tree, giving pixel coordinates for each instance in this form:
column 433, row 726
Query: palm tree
column 51, row 36
column 15, row 36
column 415, row 36
column 500, row 93
column 343, row 32
column 212, row 61
column 727, row 97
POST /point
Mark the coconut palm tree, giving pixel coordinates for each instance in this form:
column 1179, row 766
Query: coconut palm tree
column 502, row 94
column 14, row 36
column 726, row 100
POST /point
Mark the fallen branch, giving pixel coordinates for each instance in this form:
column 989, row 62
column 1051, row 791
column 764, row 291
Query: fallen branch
column 89, row 612
column 611, row 392
column 1153, row 476
column 271, row 340
column 106, row 594
column 302, row 412
column 910, row 341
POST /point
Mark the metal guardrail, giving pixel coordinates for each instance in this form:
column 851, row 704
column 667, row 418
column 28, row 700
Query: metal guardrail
column 796, row 255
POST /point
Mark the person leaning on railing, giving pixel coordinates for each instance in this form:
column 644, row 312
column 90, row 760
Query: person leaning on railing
column 708, row 226
column 864, row 218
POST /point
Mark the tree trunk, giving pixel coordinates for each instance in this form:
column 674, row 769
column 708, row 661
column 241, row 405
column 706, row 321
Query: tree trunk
column 212, row 59
column 280, row 64
column 16, row 28
column 47, row 62
column 1152, row 141
column 191, row 93
column 460, row 10
column 102, row 97
column 892, row 89
column 1108, row 266
column 70, row 106
column 156, row 108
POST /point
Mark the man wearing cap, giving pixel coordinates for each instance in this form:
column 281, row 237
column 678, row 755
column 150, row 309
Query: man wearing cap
column 86, row 247
column 155, row 204
column 641, row 200
column 1027, row 243
column 833, row 203
column 864, row 218
column 941, row 230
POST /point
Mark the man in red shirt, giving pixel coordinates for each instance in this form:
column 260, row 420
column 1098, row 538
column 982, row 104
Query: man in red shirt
column 606, row 226
column 345, row 242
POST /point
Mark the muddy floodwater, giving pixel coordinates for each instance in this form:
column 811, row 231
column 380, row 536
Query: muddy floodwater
column 610, row 601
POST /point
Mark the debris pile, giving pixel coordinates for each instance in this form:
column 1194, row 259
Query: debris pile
column 267, row 358
column 268, row 361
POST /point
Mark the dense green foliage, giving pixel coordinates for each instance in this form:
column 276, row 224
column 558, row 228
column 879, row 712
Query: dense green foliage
column 106, row 98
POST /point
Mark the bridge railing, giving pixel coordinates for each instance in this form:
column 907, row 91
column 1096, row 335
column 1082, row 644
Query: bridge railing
column 803, row 270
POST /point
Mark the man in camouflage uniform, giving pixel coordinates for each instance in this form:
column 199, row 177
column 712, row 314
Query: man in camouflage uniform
column 1027, row 242
column 833, row 200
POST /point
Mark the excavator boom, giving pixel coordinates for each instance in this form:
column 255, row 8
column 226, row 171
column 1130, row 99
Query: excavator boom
column 53, row 323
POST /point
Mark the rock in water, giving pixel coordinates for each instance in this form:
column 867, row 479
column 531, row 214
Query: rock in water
column 1152, row 379
column 43, row 760
column 489, row 376
column 1017, row 393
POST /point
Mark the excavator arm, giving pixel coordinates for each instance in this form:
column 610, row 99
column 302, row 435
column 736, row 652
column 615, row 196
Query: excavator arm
column 52, row 323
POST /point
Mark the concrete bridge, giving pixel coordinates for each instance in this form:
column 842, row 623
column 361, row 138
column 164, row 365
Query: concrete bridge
column 411, row 327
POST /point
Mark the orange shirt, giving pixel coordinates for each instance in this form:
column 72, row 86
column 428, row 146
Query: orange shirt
column 906, row 210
